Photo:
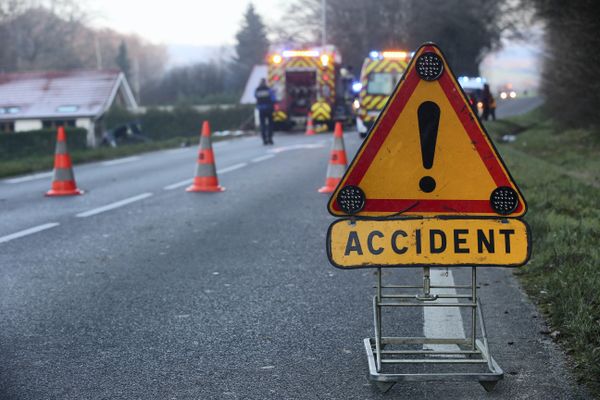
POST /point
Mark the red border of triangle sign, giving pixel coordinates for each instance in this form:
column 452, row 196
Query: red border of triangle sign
column 358, row 192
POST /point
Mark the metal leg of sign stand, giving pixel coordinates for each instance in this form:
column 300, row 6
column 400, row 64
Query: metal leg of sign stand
column 469, row 358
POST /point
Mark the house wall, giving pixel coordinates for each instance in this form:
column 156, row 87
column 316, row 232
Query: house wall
column 22, row 125
column 88, row 124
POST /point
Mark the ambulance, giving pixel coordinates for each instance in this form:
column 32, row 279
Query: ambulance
column 304, row 80
column 379, row 75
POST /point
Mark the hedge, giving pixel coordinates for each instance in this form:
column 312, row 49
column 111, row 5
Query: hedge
column 156, row 125
column 38, row 143
column 182, row 121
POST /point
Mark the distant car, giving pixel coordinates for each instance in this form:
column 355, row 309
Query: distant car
column 511, row 94
column 507, row 92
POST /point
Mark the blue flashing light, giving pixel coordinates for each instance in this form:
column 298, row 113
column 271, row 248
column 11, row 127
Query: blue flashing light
column 374, row 54
column 356, row 87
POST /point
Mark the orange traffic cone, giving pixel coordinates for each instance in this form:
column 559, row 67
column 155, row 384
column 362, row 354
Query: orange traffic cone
column 63, row 181
column 205, row 178
column 310, row 129
column 337, row 162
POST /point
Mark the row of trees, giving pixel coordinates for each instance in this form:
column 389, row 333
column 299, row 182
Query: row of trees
column 215, row 81
column 54, row 35
column 199, row 83
column 37, row 35
column 466, row 29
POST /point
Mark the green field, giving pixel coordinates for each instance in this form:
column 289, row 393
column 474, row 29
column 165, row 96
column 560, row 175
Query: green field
column 558, row 171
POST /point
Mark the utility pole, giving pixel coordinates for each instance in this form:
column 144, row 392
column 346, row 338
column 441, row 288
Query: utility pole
column 98, row 53
column 323, row 22
column 136, row 78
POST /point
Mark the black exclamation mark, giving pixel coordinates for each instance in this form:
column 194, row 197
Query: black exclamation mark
column 429, row 120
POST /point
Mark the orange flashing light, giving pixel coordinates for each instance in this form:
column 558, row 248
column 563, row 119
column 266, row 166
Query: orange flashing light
column 276, row 59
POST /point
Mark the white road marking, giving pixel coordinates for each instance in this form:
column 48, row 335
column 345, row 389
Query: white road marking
column 178, row 184
column 29, row 177
column 29, row 231
column 180, row 149
column 231, row 168
column 194, row 147
column 443, row 322
column 114, row 205
column 296, row 147
column 189, row 181
column 262, row 158
column 121, row 161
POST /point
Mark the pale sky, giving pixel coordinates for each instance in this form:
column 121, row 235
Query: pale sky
column 199, row 22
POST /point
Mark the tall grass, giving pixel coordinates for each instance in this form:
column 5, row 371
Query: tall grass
column 558, row 171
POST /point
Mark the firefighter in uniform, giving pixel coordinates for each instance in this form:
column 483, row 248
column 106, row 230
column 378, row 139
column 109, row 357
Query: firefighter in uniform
column 265, row 101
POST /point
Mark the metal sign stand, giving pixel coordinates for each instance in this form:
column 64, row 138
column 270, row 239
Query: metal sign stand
column 472, row 352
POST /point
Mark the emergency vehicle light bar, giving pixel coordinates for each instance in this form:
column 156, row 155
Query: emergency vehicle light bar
column 477, row 79
column 390, row 54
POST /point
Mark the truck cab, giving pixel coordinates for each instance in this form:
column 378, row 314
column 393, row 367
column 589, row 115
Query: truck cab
column 304, row 80
column 379, row 76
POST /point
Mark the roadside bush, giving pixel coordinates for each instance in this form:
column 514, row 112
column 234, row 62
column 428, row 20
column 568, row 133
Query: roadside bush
column 38, row 143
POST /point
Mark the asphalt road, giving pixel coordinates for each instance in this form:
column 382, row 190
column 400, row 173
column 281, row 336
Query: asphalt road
column 520, row 105
column 139, row 290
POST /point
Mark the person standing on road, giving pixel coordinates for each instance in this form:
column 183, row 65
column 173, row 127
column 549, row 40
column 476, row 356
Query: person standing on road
column 489, row 104
column 265, row 102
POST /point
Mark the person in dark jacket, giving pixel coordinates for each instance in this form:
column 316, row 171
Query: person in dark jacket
column 489, row 104
column 265, row 102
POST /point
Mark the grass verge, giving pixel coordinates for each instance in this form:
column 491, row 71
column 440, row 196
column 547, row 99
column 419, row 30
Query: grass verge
column 30, row 164
column 558, row 171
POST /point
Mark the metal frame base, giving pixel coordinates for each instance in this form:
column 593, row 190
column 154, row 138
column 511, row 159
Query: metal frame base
column 389, row 351
column 385, row 381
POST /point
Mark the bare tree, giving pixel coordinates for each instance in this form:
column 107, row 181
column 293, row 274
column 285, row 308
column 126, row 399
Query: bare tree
column 571, row 63
column 53, row 35
column 465, row 29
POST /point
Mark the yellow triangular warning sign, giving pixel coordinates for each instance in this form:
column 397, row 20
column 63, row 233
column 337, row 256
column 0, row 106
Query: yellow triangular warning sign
column 427, row 154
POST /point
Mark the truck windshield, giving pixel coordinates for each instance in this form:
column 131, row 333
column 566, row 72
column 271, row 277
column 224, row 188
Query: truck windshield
column 382, row 83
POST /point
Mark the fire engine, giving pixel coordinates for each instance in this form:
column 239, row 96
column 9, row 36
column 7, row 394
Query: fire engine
column 379, row 75
column 304, row 80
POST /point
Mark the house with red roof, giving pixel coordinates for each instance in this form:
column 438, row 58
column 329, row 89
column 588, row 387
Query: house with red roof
column 46, row 100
